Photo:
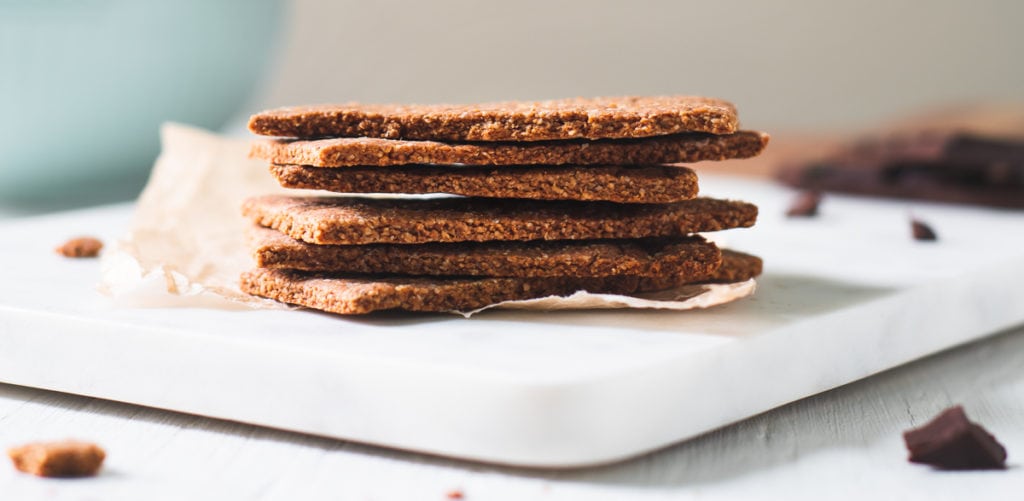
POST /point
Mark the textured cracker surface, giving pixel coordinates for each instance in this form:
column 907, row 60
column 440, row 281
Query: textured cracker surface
column 352, row 151
column 693, row 258
column 360, row 295
column 351, row 220
column 638, row 184
column 356, row 295
column 578, row 118
column 737, row 267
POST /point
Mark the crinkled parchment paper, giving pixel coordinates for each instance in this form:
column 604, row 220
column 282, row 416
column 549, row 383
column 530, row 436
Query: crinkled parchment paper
column 186, row 244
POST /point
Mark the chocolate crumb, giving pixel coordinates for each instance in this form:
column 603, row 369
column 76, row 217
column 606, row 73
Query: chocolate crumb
column 65, row 458
column 81, row 247
column 455, row 494
column 922, row 231
column 951, row 442
column 805, row 205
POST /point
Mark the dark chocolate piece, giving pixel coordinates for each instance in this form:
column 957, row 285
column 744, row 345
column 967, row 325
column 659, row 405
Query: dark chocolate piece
column 805, row 205
column 951, row 442
column 922, row 231
column 945, row 167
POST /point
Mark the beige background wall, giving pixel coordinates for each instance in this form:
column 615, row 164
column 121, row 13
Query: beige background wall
column 798, row 63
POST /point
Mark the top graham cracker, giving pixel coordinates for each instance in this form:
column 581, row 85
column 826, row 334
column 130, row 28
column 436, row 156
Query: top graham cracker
column 577, row 118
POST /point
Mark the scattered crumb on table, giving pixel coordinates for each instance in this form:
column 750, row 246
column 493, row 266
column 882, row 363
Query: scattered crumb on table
column 63, row 458
column 80, row 247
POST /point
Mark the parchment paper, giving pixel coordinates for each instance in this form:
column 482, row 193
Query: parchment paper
column 186, row 244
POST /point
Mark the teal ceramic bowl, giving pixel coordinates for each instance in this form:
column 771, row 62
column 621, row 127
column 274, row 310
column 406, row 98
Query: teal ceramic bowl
column 85, row 84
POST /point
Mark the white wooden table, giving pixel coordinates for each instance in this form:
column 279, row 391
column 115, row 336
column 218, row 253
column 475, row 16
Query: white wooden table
column 842, row 444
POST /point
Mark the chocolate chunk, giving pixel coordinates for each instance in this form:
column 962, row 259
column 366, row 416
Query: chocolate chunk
column 922, row 231
column 945, row 167
column 805, row 205
column 951, row 442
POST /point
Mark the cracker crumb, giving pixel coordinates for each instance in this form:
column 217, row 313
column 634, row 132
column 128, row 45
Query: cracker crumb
column 64, row 458
column 80, row 247
column 455, row 494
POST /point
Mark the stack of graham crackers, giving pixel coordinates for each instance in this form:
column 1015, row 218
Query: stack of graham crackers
column 551, row 198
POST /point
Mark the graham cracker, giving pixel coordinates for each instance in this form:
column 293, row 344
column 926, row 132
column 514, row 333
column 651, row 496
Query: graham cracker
column 365, row 151
column 691, row 257
column 354, row 220
column 578, row 118
column 638, row 184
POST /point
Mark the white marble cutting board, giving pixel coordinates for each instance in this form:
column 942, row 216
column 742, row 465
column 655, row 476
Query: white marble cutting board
column 844, row 295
